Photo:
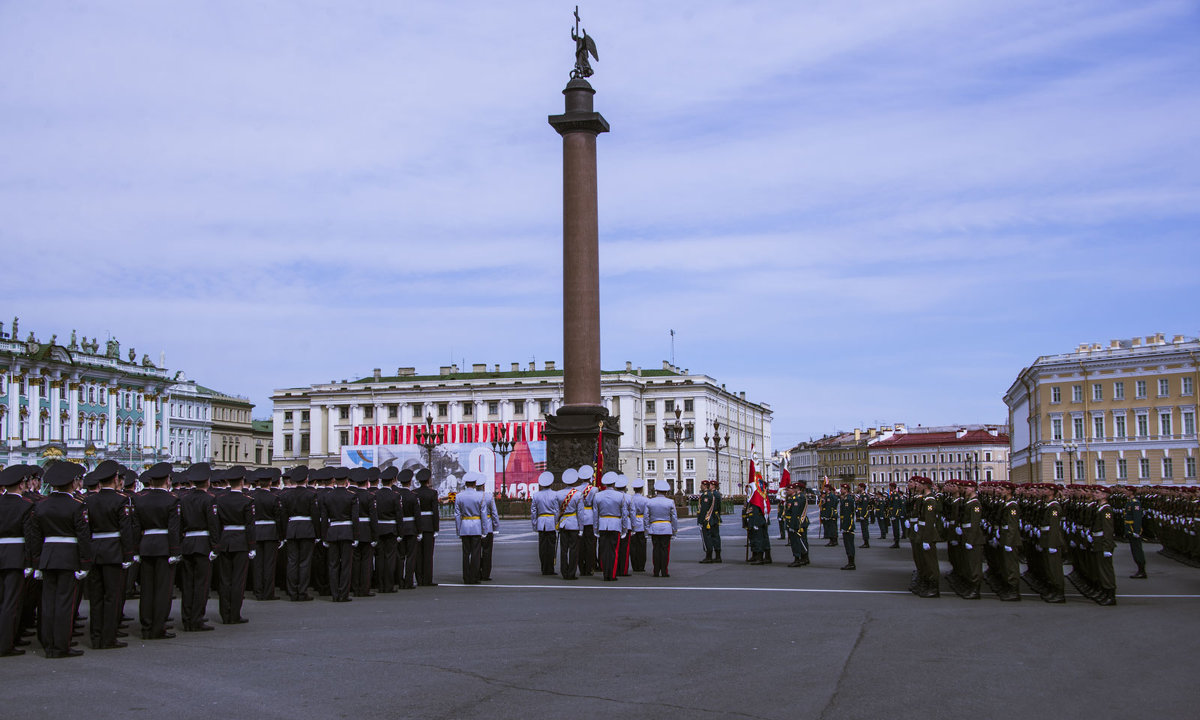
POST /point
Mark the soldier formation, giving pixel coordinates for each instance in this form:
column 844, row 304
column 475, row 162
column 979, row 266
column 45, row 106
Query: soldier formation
column 151, row 536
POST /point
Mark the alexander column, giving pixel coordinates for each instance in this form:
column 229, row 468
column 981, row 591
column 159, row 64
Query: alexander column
column 572, row 432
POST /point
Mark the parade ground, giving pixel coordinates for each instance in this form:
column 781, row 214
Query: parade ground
column 710, row 641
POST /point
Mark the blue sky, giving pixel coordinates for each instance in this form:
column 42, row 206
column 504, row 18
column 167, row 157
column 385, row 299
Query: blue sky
column 859, row 213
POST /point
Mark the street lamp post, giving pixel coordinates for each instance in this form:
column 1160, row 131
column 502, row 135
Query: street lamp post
column 430, row 439
column 1071, row 448
column 502, row 447
column 715, row 442
column 674, row 433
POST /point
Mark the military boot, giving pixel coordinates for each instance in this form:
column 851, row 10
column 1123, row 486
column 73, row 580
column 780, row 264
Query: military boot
column 717, row 559
column 707, row 557
column 1140, row 574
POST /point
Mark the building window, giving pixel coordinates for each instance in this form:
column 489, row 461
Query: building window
column 1143, row 468
column 469, row 410
column 1139, row 389
column 544, row 407
column 649, row 407
column 1076, row 393
column 493, row 407
column 304, row 416
column 987, row 475
column 689, row 464
column 1143, row 425
column 1098, row 428
column 1167, row 468
column 287, row 416
column 1119, row 421
column 1077, row 427
column 650, row 466
column 394, row 411
column 343, row 437
column 1164, row 387
column 1164, row 424
column 668, row 406
column 304, row 445
column 418, row 410
column 1079, row 476
column 1189, row 423
column 344, row 412
column 369, row 412
column 1056, row 429
column 670, row 465
column 287, row 443
column 1055, row 395
column 689, row 405
column 1119, row 390
column 1185, row 386
column 1189, row 467
column 518, row 407
column 987, row 456
column 1122, row 469
column 258, row 455
column 689, row 433
column 1058, row 470
column 649, row 433
column 443, row 409
column 1099, row 470
column 1097, row 391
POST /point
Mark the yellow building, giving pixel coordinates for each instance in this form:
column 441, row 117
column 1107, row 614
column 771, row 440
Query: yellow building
column 1121, row 414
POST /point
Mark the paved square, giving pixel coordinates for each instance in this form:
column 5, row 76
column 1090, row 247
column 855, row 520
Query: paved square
column 711, row 641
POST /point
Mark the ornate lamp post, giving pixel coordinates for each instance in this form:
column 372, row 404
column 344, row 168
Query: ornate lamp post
column 502, row 447
column 1071, row 448
column 674, row 433
column 430, row 439
column 715, row 442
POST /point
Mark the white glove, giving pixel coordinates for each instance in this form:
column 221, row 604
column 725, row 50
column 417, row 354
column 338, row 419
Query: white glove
column 28, row 572
column 80, row 574
column 1107, row 554
column 924, row 546
column 282, row 543
column 435, row 534
column 173, row 559
column 969, row 546
column 374, row 543
column 252, row 554
column 37, row 574
column 137, row 558
column 1053, row 550
column 212, row 555
column 1007, row 549
column 126, row 565
column 958, row 531
column 326, row 544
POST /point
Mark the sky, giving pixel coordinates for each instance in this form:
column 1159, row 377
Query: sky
column 858, row 212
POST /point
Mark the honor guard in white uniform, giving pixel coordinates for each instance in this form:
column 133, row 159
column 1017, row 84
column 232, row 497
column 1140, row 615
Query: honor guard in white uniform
column 491, row 527
column 663, row 524
column 637, row 522
column 542, row 511
column 566, row 519
column 610, row 523
column 587, row 521
column 468, row 522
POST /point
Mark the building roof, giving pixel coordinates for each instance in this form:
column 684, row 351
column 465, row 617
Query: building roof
column 517, row 374
column 225, row 397
column 926, row 439
column 265, row 426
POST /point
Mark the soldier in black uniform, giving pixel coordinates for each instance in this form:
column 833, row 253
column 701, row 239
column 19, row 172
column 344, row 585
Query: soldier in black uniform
column 339, row 520
column 235, row 545
column 385, row 514
column 896, row 507
column 364, row 540
column 1133, row 518
column 708, row 517
column 268, row 522
column 406, row 529
column 794, row 510
column 16, row 556
column 755, row 523
column 63, row 555
column 112, row 548
column 157, row 528
column 300, row 511
column 198, row 521
column 427, row 525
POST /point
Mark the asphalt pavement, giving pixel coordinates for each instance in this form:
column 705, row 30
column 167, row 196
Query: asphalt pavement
column 711, row 641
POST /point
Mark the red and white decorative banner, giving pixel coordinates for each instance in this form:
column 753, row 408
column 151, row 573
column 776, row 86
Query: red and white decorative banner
column 415, row 433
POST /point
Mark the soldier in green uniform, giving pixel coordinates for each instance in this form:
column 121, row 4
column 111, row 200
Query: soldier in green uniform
column 829, row 516
column 895, row 510
column 1009, row 541
column 847, row 512
column 708, row 517
column 969, row 532
column 755, row 523
column 794, row 511
column 923, row 533
column 862, row 512
column 1103, row 545
column 1133, row 534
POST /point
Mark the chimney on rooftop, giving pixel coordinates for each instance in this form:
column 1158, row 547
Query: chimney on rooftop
column 857, row 434
column 960, row 432
column 1137, row 342
column 628, row 366
column 516, row 367
column 549, row 364
column 497, row 367
column 1178, row 340
column 444, row 370
column 666, row 364
column 406, row 371
column 479, row 367
column 532, row 367
column 378, row 374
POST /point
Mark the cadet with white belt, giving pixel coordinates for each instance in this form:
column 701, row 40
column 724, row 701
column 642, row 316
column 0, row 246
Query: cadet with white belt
column 610, row 523
column 468, row 523
column 664, row 525
column 570, row 500
column 542, row 511
column 637, row 523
